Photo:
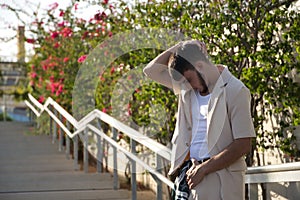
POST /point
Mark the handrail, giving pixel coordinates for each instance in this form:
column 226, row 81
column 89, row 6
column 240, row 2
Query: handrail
column 84, row 124
column 287, row 172
column 274, row 168
column 135, row 135
column 132, row 156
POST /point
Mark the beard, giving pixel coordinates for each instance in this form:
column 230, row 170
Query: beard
column 205, row 88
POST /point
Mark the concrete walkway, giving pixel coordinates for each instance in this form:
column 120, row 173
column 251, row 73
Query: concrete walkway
column 31, row 167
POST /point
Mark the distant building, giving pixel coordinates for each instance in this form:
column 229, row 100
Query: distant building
column 11, row 75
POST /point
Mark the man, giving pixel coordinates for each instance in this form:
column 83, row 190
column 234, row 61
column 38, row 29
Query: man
column 217, row 147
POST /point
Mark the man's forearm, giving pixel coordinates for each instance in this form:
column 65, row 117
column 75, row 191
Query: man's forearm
column 157, row 69
column 228, row 156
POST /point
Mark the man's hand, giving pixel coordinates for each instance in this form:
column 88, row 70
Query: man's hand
column 201, row 45
column 195, row 174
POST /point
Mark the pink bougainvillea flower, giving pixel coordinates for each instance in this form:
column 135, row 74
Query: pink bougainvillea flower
column 53, row 6
column 129, row 110
column 41, row 99
column 105, row 1
column 66, row 59
column 100, row 16
column 67, row 32
column 30, row 41
column 33, row 75
column 110, row 34
column 82, row 58
column 104, row 110
column 76, row 6
column 45, row 67
column 84, row 35
column 97, row 16
column 53, row 87
column 54, row 34
column 59, row 90
column 37, row 23
column 61, row 24
column 61, row 13
column 51, row 78
column 56, row 45
column 112, row 70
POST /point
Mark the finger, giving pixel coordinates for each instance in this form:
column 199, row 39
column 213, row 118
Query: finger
column 188, row 172
column 194, row 162
column 191, row 184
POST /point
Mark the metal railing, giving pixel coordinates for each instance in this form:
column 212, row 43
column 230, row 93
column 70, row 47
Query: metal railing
column 60, row 118
column 289, row 172
column 281, row 173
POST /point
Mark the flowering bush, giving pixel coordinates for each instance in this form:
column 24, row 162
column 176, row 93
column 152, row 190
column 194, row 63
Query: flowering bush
column 61, row 42
column 260, row 45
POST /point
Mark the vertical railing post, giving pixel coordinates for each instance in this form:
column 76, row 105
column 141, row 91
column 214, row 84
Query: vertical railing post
column 159, row 191
column 68, row 141
column 133, row 171
column 75, row 152
column 36, row 121
column 115, row 161
column 54, row 129
column 29, row 116
column 50, row 124
column 252, row 191
column 60, row 145
column 85, row 151
column 99, row 149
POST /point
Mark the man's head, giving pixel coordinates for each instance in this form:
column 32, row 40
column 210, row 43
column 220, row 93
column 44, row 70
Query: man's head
column 189, row 61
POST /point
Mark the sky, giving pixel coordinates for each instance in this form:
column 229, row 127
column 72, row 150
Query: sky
column 9, row 22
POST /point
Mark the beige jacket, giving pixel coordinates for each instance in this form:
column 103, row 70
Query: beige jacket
column 228, row 118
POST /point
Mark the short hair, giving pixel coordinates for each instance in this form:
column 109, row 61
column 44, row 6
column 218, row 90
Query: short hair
column 184, row 59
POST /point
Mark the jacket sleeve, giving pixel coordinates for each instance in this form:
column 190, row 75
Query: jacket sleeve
column 241, row 120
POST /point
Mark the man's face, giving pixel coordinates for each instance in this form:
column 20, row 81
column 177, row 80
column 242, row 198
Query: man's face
column 196, row 81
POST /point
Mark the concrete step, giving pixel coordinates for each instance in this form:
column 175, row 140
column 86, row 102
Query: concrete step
column 54, row 181
column 31, row 167
column 68, row 195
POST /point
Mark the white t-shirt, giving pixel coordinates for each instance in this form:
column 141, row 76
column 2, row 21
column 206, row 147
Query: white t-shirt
column 199, row 148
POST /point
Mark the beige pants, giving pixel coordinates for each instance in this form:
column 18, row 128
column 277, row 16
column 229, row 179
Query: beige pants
column 212, row 188
column 202, row 192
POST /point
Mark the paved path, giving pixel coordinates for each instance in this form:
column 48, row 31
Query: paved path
column 31, row 167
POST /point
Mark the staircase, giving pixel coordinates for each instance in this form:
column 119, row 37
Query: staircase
column 31, row 167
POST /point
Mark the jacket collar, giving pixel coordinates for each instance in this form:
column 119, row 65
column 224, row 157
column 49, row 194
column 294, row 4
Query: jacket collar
column 216, row 117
